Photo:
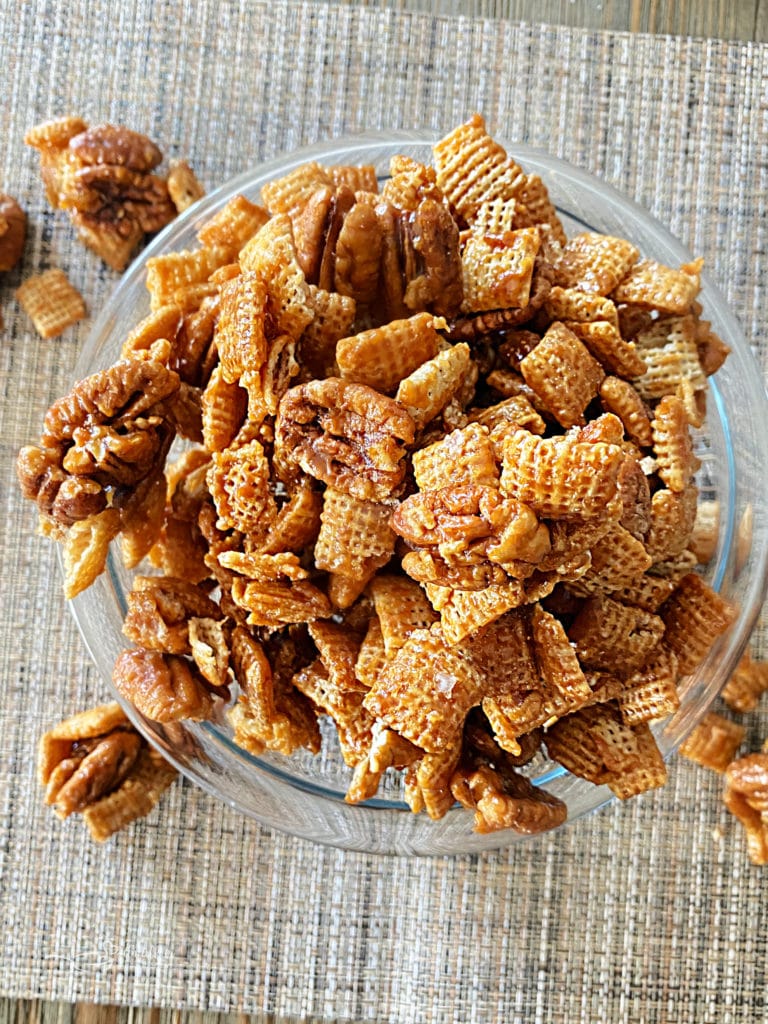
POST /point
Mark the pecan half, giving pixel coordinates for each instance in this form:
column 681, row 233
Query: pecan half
column 13, row 232
column 163, row 687
column 347, row 435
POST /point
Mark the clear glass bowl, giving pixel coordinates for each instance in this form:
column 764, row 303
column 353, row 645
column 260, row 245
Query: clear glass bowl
column 304, row 795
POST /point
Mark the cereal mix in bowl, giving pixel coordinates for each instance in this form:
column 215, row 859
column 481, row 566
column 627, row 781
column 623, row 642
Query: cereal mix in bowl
column 404, row 472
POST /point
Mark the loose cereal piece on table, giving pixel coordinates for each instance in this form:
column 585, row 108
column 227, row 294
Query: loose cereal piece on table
column 594, row 263
column 747, row 684
column 746, row 797
column 96, row 764
column 51, row 302
column 383, row 356
column 694, row 617
column 714, row 742
column 183, row 185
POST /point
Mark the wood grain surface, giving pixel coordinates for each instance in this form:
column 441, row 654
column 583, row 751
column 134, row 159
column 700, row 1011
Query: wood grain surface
column 737, row 19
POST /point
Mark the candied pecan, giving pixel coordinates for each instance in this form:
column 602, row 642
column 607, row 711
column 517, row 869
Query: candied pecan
column 93, row 769
column 506, row 800
column 159, row 610
column 358, row 249
column 435, row 283
column 347, row 435
column 113, row 144
column 13, row 232
column 163, row 687
column 746, row 797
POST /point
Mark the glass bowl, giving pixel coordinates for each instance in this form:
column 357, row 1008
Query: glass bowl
column 304, row 795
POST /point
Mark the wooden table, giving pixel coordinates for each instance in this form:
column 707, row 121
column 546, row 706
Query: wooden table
column 737, row 19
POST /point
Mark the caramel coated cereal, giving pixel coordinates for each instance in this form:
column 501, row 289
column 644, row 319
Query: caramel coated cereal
column 441, row 490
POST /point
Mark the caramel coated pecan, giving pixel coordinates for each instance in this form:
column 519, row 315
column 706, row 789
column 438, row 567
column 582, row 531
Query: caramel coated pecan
column 159, row 610
column 347, row 435
column 163, row 687
column 13, row 232
column 746, row 797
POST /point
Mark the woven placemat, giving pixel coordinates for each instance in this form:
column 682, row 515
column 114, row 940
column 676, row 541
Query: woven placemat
column 646, row 912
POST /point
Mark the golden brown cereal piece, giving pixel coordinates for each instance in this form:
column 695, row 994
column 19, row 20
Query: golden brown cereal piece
column 297, row 523
column 289, row 193
column 142, row 517
column 387, row 750
column 459, row 572
column 135, row 798
column 13, row 232
column 183, row 185
column 668, row 349
column 472, row 169
column 747, row 684
column 169, row 273
column 714, row 742
column 572, row 304
column 672, row 444
column 355, row 537
column 534, row 208
column 562, row 374
column 555, row 655
column 162, row 323
column 209, row 647
column 334, row 316
column 504, row 653
column 372, row 655
column 347, row 435
column 464, row 611
column 506, row 800
column 672, row 519
column 159, row 610
column 353, row 721
column 651, row 692
column 621, row 398
column 613, row 637
column 238, row 480
column 430, row 387
column 279, row 603
column 163, row 687
column 428, row 782
column 618, row 560
column 266, row 717
column 648, row 593
column 86, row 546
column 51, row 302
column 360, row 178
column 653, row 286
column 746, row 797
column 271, row 254
column 426, row 691
column 463, row 457
column 277, row 568
column 239, row 336
column 338, row 647
column 381, row 357
column 409, row 184
column 224, row 409
column 694, row 617
column 498, row 270
column 595, row 263
column 560, row 478
column 401, row 608
column 594, row 744
column 233, row 226
column 608, row 347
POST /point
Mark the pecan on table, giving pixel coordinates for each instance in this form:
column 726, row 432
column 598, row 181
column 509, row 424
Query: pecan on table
column 13, row 232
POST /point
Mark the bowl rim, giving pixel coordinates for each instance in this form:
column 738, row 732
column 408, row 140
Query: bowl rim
column 348, row 148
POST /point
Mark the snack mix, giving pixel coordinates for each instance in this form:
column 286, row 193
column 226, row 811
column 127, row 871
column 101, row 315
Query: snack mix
column 438, row 486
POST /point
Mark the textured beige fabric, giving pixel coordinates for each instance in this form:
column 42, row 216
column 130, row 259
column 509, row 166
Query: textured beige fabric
column 636, row 914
